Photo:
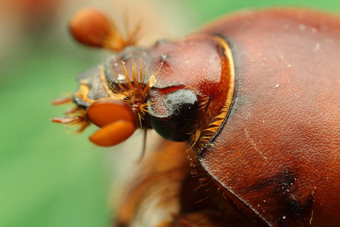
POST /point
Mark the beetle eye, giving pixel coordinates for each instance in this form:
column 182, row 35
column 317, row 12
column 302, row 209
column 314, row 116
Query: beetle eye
column 174, row 118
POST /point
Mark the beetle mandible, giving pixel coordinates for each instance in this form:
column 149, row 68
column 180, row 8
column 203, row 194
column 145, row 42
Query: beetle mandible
column 253, row 97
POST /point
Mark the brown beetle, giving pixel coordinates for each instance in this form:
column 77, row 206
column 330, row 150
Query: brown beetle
column 256, row 99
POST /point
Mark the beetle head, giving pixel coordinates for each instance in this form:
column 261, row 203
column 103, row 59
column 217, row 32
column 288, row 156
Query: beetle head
column 177, row 88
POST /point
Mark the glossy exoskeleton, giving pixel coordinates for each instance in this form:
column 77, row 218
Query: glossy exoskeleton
column 253, row 103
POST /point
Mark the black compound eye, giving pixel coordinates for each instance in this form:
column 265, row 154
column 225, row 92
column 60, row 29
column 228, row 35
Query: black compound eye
column 175, row 117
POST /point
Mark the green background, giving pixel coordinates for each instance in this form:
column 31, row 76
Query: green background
column 50, row 176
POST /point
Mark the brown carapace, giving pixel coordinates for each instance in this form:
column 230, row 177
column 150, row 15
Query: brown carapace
column 249, row 109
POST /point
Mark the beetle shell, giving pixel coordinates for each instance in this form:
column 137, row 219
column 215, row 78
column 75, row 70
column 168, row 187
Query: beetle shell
column 278, row 153
column 276, row 156
column 256, row 98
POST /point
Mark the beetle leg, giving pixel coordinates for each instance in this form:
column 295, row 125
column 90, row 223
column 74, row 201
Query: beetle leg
column 200, row 218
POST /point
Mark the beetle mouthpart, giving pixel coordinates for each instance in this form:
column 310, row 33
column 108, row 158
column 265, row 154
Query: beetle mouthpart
column 113, row 134
column 74, row 117
column 134, row 88
column 61, row 101
column 64, row 120
column 116, row 120
column 92, row 28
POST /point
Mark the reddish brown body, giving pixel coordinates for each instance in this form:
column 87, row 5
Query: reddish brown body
column 278, row 154
column 261, row 93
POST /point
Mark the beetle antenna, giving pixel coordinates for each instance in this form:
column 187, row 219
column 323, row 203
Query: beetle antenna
column 93, row 28
column 132, row 35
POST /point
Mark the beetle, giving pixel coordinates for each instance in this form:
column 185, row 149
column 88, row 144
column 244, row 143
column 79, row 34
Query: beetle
column 249, row 109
